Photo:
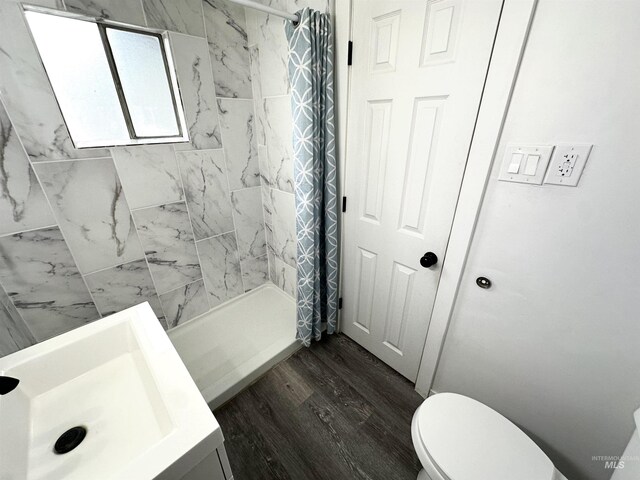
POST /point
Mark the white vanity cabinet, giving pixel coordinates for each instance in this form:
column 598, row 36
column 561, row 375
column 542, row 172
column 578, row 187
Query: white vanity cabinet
column 215, row 466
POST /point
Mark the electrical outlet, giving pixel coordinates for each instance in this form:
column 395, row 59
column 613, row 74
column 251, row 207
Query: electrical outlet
column 567, row 164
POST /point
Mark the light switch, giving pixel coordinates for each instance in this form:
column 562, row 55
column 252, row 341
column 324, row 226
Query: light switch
column 525, row 163
column 531, row 165
column 567, row 164
column 516, row 160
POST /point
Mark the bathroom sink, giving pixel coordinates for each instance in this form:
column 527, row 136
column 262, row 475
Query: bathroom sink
column 120, row 379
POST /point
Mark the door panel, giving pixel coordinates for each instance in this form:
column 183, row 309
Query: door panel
column 416, row 83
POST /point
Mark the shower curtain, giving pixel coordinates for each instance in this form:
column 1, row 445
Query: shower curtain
column 311, row 77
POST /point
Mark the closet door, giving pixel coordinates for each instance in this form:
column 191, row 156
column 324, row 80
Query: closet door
column 416, row 84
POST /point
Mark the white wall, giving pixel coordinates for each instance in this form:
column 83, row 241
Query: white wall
column 555, row 344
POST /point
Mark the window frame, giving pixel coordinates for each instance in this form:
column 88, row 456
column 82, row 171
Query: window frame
column 169, row 66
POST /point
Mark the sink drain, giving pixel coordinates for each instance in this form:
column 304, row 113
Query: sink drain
column 70, row 440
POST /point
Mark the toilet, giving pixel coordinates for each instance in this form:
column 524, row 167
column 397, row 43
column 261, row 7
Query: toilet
column 458, row 438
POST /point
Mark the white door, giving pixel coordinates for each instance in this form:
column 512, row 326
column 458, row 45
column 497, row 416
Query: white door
column 416, row 82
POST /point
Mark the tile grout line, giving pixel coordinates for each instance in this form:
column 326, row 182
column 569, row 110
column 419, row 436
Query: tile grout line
column 55, row 217
column 112, row 266
column 236, row 99
column 144, row 14
column 35, row 229
column 264, row 226
column 201, row 279
column 256, row 121
column 33, row 171
column 215, row 236
column 233, row 218
column 153, row 280
column 254, row 66
column 195, row 242
column 144, row 252
column 222, row 137
column 64, row 237
column 280, row 95
column 175, row 32
column 217, row 100
column 246, row 188
column 173, row 202
column 64, row 160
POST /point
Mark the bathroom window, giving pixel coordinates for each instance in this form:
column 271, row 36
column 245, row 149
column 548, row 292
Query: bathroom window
column 114, row 85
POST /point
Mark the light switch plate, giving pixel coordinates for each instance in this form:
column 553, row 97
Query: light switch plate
column 567, row 164
column 532, row 159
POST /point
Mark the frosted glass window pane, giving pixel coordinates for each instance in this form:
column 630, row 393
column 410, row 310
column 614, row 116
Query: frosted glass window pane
column 74, row 57
column 138, row 58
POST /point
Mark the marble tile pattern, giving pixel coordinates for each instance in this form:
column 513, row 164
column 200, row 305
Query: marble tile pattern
column 195, row 78
column 169, row 245
column 268, row 231
column 227, row 37
column 184, row 303
column 238, row 137
column 283, row 221
column 268, row 171
column 251, row 17
column 124, row 286
column 255, row 272
column 207, row 192
column 149, row 174
column 14, row 334
column 279, row 135
column 256, row 87
column 267, row 205
column 25, row 89
column 273, row 55
column 39, row 275
column 220, row 267
column 184, row 16
column 8, row 330
column 23, row 205
column 268, row 53
column 249, row 221
column 128, row 217
column 285, row 276
column 118, row 10
column 91, row 209
column 272, row 263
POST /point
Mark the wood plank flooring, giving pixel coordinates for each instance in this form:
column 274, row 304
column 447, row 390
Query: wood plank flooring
column 332, row 411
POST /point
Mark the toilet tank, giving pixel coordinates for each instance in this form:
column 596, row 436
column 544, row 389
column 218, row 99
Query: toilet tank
column 628, row 466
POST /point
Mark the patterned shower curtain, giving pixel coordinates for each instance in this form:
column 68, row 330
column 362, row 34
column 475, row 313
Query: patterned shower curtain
column 311, row 77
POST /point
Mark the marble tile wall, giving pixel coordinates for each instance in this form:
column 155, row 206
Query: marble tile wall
column 14, row 333
column 86, row 233
column 38, row 272
column 268, row 52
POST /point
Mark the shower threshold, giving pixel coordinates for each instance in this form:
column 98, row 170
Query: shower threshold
column 229, row 347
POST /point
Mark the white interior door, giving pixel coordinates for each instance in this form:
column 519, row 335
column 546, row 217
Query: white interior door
column 416, row 83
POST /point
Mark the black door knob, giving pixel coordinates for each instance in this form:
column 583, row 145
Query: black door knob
column 429, row 259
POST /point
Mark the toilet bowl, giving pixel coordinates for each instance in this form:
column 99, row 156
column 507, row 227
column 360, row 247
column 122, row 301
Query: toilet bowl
column 458, row 438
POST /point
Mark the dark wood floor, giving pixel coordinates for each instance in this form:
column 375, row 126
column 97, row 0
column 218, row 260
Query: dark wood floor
column 332, row 411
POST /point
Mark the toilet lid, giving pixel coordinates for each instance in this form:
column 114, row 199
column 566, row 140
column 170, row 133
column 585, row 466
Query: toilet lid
column 467, row 440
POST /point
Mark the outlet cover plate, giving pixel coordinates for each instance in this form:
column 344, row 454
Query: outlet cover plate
column 521, row 169
column 567, row 164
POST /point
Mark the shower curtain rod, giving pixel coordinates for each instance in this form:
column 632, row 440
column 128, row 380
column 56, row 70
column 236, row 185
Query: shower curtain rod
column 263, row 8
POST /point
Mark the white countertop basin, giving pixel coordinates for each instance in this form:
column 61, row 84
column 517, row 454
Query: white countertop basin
column 121, row 379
